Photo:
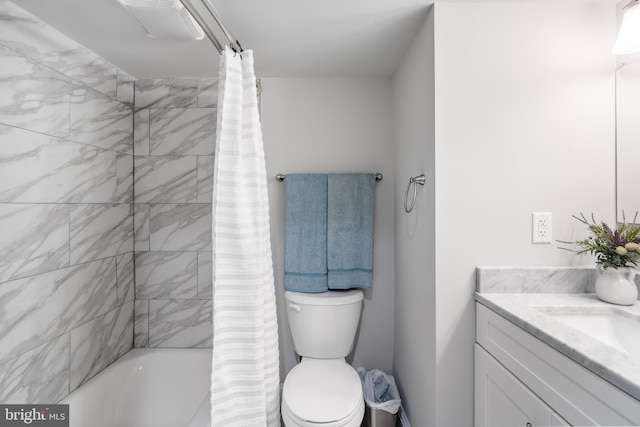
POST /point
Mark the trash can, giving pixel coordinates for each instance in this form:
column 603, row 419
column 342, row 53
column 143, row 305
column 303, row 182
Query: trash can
column 381, row 397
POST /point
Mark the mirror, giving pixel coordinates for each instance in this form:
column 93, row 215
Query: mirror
column 628, row 140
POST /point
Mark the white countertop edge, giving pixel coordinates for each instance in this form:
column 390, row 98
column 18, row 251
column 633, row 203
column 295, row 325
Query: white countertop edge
column 603, row 360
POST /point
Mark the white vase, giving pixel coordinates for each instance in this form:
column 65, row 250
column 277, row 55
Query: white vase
column 616, row 285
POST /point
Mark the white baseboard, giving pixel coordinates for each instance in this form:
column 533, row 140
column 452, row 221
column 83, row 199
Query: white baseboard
column 404, row 421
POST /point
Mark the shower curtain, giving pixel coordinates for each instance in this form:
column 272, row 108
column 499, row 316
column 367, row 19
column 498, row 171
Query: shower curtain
column 245, row 367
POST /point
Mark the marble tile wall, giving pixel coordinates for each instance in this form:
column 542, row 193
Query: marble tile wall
column 66, row 211
column 174, row 128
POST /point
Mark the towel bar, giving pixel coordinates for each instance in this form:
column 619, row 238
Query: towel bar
column 281, row 177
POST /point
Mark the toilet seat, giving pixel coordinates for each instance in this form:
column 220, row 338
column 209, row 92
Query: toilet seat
column 322, row 392
column 354, row 420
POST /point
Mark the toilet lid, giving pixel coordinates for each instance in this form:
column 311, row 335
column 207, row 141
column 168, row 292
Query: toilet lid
column 322, row 390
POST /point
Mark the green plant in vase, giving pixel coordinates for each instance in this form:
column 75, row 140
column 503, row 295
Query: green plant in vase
column 617, row 253
column 617, row 248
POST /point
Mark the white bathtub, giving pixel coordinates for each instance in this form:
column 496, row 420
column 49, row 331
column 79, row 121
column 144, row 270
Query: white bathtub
column 146, row 388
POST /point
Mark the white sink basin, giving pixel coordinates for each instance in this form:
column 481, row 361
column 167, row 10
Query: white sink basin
column 612, row 326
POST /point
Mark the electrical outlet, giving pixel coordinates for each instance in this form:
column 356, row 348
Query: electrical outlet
column 541, row 227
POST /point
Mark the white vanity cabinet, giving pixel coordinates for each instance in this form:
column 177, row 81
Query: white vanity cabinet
column 502, row 400
column 522, row 381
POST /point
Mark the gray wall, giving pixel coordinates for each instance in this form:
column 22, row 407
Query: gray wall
column 513, row 125
column 335, row 125
column 517, row 96
column 414, row 363
column 66, row 217
column 175, row 132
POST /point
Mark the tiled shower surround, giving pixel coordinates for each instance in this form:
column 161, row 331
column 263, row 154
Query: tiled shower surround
column 175, row 122
column 71, row 269
column 66, row 212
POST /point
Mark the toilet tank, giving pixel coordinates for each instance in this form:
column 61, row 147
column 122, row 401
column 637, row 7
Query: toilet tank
column 324, row 325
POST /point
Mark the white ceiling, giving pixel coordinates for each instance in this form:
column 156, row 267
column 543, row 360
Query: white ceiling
column 290, row 38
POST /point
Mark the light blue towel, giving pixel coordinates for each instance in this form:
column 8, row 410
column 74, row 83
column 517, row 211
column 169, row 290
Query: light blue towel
column 305, row 251
column 350, row 230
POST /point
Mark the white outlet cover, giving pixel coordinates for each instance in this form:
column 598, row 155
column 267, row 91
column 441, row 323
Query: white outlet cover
column 541, row 227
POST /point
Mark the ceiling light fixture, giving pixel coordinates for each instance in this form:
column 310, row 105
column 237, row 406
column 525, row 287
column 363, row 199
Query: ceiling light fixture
column 628, row 40
column 166, row 19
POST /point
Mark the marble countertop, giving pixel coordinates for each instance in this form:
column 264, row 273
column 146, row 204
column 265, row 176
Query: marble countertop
column 611, row 364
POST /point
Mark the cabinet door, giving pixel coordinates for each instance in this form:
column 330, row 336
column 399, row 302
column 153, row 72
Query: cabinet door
column 501, row 400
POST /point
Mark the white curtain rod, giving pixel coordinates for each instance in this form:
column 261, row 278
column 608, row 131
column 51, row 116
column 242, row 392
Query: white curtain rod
column 233, row 43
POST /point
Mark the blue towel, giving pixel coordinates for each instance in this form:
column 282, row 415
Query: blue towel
column 350, row 230
column 305, row 250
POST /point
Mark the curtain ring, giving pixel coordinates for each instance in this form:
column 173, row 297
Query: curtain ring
column 414, row 180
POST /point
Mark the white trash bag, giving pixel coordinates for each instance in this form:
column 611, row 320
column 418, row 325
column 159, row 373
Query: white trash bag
column 380, row 390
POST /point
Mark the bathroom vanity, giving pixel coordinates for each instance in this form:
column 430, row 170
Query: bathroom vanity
column 546, row 359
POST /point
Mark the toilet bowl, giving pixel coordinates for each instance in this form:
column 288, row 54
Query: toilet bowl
column 322, row 392
column 323, row 389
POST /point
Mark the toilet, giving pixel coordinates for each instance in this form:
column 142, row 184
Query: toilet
column 323, row 389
